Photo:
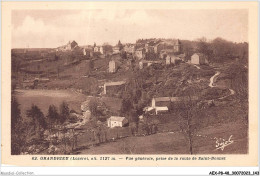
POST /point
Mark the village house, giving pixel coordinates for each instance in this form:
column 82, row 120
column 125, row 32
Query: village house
column 165, row 52
column 88, row 51
column 98, row 49
column 70, row 46
column 84, row 52
column 112, row 66
column 116, row 121
column 199, row 59
column 164, row 48
column 139, row 53
column 158, row 48
column 171, row 59
column 129, row 48
column 116, row 50
column 111, row 85
column 149, row 48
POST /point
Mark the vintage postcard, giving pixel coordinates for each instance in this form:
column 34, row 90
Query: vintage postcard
column 129, row 83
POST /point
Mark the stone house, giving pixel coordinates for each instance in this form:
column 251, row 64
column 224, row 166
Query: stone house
column 112, row 66
column 199, row 59
column 99, row 49
column 139, row 53
column 116, row 121
column 129, row 48
column 171, row 59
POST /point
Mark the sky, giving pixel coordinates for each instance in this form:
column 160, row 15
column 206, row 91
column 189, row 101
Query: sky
column 53, row 28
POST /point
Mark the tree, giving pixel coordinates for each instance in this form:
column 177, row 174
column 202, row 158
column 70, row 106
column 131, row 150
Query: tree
column 53, row 115
column 64, row 112
column 93, row 104
column 187, row 122
column 17, row 139
column 15, row 113
column 126, row 106
column 123, row 55
column 222, row 49
column 204, row 47
column 120, row 45
column 37, row 120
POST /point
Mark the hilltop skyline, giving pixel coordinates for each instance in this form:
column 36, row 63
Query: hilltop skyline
column 53, row 28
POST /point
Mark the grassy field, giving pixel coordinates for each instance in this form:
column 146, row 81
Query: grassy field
column 177, row 143
column 44, row 98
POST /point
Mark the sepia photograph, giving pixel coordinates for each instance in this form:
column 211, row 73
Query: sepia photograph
column 128, row 81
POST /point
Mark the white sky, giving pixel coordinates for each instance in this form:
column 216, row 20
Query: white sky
column 52, row 28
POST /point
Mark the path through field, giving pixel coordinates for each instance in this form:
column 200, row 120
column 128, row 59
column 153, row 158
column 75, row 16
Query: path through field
column 213, row 80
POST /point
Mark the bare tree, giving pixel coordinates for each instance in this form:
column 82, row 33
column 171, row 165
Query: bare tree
column 188, row 122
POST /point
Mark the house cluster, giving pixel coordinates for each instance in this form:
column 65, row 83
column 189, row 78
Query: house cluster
column 71, row 45
column 148, row 53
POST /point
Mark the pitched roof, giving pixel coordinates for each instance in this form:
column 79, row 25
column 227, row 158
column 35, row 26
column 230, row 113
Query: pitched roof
column 160, row 99
column 117, row 118
column 117, row 83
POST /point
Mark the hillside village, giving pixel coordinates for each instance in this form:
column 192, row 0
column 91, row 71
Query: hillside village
column 177, row 91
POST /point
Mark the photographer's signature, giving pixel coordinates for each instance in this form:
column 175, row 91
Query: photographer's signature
column 222, row 143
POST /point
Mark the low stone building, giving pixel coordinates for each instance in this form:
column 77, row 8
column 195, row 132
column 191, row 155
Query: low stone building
column 165, row 101
column 199, row 59
column 113, row 85
column 116, row 121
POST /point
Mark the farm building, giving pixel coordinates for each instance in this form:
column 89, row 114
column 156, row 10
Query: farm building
column 161, row 104
column 199, row 59
column 113, row 86
column 116, row 121
column 157, row 109
column 165, row 101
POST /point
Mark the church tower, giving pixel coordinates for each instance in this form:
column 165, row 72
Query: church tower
column 178, row 46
